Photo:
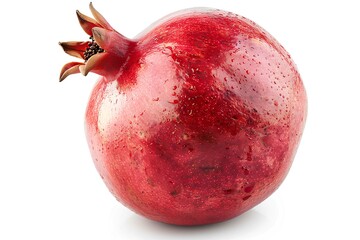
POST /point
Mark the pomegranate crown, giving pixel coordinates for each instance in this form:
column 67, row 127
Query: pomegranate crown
column 103, row 54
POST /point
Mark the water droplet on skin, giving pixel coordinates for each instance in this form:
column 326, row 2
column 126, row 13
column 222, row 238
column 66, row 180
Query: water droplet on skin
column 185, row 136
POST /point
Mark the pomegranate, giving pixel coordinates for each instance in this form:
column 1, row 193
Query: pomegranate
column 194, row 121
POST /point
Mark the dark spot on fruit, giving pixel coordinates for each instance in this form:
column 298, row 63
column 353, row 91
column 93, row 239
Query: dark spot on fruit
column 174, row 193
column 246, row 197
column 206, row 137
column 249, row 154
column 228, row 191
column 150, row 182
column 207, row 169
column 250, row 121
column 249, row 188
column 246, row 171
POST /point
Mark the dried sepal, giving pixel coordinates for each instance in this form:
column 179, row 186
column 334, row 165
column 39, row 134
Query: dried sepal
column 87, row 23
column 69, row 68
column 99, row 18
column 93, row 63
column 75, row 49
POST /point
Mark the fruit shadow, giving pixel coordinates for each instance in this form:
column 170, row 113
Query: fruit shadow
column 249, row 224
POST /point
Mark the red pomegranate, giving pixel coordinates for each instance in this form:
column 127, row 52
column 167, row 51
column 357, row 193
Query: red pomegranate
column 194, row 121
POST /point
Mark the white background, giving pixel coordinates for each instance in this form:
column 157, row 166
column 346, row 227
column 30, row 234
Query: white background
column 49, row 188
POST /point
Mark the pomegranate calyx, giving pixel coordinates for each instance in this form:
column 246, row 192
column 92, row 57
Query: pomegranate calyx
column 103, row 54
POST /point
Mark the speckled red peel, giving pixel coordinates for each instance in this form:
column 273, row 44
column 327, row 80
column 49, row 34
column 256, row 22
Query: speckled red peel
column 194, row 121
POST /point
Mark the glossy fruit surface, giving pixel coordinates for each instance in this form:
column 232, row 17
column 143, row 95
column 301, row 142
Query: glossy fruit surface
column 194, row 121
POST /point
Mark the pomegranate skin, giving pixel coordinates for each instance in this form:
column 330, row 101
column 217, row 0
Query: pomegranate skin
column 202, row 121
